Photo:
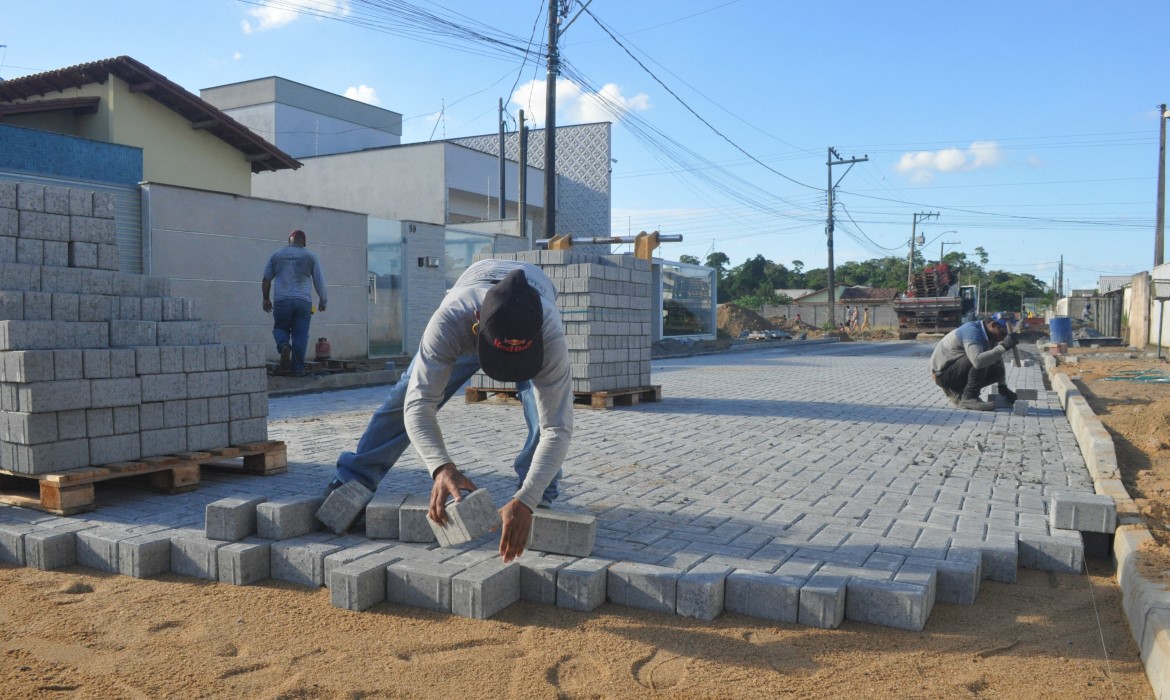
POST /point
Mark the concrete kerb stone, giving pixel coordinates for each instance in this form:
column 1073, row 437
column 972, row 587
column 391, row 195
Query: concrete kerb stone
column 97, row 548
column 351, row 554
column 889, row 603
column 822, row 601
column 12, row 543
column 50, row 549
column 194, row 555
column 700, row 591
column 1146, row 603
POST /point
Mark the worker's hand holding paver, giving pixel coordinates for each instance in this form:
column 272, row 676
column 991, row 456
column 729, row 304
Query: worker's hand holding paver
column 1012, row 340
column 448, row 483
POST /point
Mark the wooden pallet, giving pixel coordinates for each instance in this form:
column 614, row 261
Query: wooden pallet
column 585, row 399
column 72, row 490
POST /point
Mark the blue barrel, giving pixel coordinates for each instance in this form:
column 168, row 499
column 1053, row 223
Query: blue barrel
column 1060, row 328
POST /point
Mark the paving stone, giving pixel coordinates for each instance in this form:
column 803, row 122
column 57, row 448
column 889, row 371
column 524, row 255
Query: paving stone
column 351, row 554
column 421, row 584
column 344, row 506
column 97, row 548
column 1062, row 551
column 822, row 601
column 146, row 555
column 232, row 519
column 1020, row 408
column 582, row 585
column 888, row 603
column 413, row 525
column 286, row 518
column 1085, row 512
column 766, row 596
column 538, row 576
column 468, row 519
column 700, row 591
column 51, row 549
column 301, row 560
column 485, row 589
column 957, row 580
column 382, row 514
column 360, row 584
column 643, row 586
column 559, row 531
column 194, row 555
column 12, row 543
column 245, row 562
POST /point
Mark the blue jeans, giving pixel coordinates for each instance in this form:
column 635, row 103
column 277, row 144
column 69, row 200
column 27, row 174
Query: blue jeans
column 290, row 324
column 385, row 438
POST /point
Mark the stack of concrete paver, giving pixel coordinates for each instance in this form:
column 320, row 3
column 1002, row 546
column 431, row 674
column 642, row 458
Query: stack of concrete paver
column 97, row 366
column 604, row 302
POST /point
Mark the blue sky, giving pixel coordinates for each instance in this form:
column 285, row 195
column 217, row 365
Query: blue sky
column 1030, row 127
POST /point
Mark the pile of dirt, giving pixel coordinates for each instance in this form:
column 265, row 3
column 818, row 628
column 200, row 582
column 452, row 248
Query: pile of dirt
column 733, row 320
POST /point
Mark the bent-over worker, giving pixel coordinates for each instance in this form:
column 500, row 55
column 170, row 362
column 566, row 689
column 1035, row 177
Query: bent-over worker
column 970, row 358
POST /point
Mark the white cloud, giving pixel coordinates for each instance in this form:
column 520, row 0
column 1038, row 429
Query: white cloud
column 237, row 56
column 363, row 93
column 273, row 14
column 921, row 166
column 576, row 105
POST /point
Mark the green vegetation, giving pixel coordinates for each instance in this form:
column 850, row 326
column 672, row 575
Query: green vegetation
column 752, row 284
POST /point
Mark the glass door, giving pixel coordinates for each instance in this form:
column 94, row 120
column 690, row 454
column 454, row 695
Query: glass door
column 385, row 291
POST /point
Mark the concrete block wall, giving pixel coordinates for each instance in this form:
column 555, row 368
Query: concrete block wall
column 605, row 304
column 97, row 366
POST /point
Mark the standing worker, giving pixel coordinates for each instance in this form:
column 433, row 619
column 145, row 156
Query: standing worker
column 293, row 272
column 500, row 316
column 970, row 358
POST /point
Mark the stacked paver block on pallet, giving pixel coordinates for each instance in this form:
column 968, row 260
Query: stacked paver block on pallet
column 604, row 302
column 99, row 366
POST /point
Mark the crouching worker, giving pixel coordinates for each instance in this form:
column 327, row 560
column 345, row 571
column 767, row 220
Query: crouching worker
column 970, row 358
column 500, row 316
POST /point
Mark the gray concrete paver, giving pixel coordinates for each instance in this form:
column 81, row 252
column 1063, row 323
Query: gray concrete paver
column 845, row 455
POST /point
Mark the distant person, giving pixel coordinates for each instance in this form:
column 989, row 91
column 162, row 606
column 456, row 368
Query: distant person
column 865, row 320
column 291, row 275
column 970, row 358
column 500, row 316
column 1087, row 314
column 798, row 321
column 853, row 318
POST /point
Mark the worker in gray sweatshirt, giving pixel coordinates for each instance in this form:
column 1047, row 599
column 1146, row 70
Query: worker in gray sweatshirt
column 500, row 316
column 970, row 358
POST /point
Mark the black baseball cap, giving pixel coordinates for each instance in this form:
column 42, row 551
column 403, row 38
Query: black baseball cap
column 511, row 330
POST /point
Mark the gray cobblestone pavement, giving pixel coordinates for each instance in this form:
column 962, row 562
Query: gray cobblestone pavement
column 831, row 459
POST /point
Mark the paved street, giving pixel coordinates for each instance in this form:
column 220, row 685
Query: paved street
column 839, row 455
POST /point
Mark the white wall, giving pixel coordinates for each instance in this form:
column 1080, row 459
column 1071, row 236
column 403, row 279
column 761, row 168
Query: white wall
column 214, row 247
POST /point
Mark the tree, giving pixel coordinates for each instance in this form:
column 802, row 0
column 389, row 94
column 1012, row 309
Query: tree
column 689, row 259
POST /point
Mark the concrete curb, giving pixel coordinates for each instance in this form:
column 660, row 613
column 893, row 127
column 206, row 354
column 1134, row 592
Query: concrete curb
column 1146, row 603
column 312, row 384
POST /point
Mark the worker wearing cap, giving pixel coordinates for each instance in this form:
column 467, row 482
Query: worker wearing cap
column 500, row 316
column 970, row 358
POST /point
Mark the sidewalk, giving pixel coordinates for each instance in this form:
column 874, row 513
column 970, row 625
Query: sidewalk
column 839, row 460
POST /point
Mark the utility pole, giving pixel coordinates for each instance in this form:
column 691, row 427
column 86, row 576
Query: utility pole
column 522, row 186
column 913, row 239
column 503, row 204
column 550, row 122
column 1160, row 218
column 940, row 248
column 829, row 225
column 1060, row 279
